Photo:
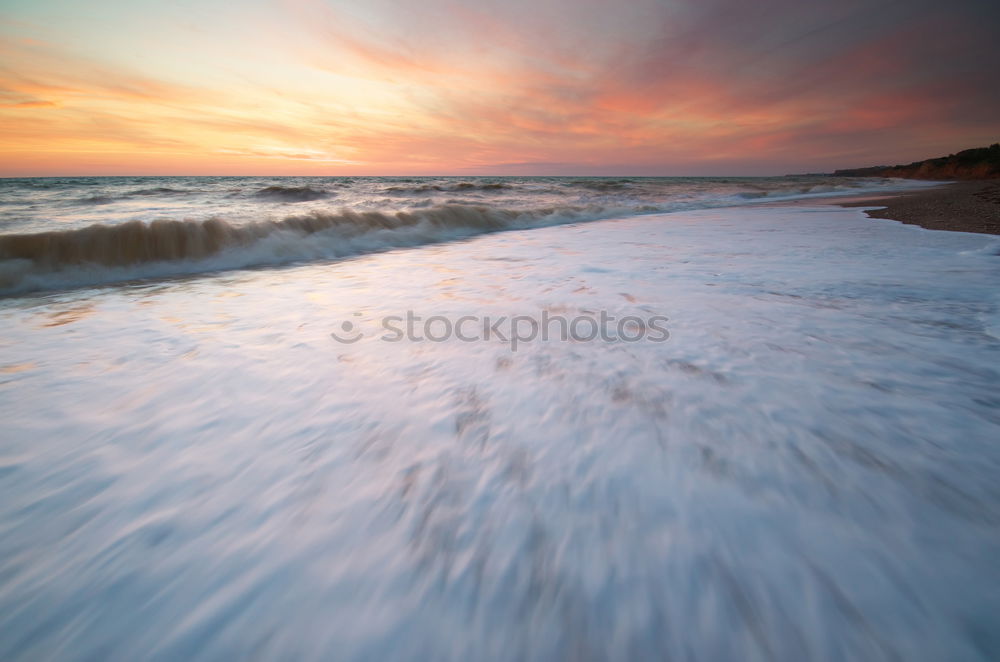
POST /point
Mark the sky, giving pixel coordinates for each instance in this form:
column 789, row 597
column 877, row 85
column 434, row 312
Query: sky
column 492, row 87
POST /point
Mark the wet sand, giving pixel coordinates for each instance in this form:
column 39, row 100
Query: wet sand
column 957, row 206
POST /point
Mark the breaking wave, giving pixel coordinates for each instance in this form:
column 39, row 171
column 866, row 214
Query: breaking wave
column 101, row 253
column 42, row 253
column 797, row 191
column 158, row 190
column 96, row 200
column 450, row 188
column 602, row 184
column 291, row 194
column 139, row 193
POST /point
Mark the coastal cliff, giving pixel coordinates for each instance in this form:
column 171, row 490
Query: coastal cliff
column 979, row 163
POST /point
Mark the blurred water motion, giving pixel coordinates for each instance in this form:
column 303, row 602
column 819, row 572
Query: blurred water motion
column 195, row 470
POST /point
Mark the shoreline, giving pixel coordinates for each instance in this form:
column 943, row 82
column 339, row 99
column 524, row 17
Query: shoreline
column 965, row 206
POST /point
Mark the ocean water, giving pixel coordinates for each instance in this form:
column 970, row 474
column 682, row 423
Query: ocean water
column 65, row 232
column 250, row 463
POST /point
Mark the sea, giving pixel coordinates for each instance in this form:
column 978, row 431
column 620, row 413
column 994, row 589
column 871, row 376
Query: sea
column 66, row 232
column 532, row 418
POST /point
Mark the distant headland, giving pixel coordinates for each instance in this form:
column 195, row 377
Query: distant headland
column 978, row 163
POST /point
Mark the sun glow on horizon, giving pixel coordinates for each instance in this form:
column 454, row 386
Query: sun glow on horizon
column 347, row 88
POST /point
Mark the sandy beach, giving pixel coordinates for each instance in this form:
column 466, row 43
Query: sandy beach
column 956, row 206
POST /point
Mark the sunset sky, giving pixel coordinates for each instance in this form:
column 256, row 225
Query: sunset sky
column 644, row 87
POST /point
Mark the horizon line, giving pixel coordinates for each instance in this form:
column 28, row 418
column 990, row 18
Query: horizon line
column 790, row 174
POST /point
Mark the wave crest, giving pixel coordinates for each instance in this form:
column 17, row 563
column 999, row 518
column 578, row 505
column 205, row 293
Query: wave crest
column 110, row 253
column 291, row 193
column 157, row 190
column 450, row 188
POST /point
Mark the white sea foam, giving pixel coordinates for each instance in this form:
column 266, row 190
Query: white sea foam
column 807, row 469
